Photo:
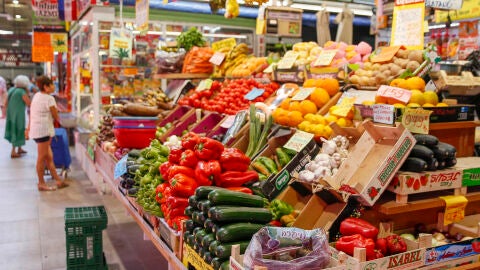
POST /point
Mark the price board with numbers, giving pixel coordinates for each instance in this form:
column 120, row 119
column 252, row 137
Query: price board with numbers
column 398, row 94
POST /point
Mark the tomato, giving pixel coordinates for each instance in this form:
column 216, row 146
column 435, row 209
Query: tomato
column 476, row 246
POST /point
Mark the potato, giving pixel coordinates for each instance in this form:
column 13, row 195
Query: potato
column 367, row 66
column 387, row 73
column 376, row 66
column 364, row 80
column 355, row 79
column 402, row 54
column 403, row 63
column 394, row 69
column 401, row 71
column 372, row 81
column 380, row 79
column 412, row 65
column 360, row 72
column 416, row 55
column 383, row 68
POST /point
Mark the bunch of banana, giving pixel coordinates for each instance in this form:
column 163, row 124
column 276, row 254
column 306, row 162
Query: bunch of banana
column 233, row 58
column 259, row 2
column 155, row 98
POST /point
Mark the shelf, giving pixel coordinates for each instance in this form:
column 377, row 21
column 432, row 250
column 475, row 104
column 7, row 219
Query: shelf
column 120, row 66
column 182, row 76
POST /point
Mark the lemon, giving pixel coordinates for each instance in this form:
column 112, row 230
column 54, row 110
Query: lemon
column 413, row 105
column 368, row 102
column 341, row 122
column 328, row 131
column 417, row 97
column 428, row 105
column 399, row 105
column 430, row 97
column 331, row 118
column 441, row 104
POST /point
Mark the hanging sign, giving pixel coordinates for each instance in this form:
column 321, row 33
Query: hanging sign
column 469, row 10
column 59, row 42
column 416, row 120
column 42, row 53
column 45, row 14
column 141, row 15
column 444, row 4
column 121, row 43
column 67, row 10
column 454, row 209
column 407, row 26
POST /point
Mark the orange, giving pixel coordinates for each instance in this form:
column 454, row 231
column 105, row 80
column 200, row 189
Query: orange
column 331, row 118
column 320, row 97
column 331, row 85
column 294, row 118
column 342, row 122
column 397, row 82
column 309, row 83
column 285, row 104
column 280, row 116
column 415, row 83
column 294, row 106
column 307, row 106
column 380, row 100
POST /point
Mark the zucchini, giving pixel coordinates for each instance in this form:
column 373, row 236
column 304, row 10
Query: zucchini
column 240, row 214
column 225, row 265
column 185, row 236
column 192, row 201
column 202, row 191
column 432, row 165
column 450, row 148
column 204, row 205
column 413, row 164
column 189, row 211
column 450, row 162
column 199, row 236
column 289, row 152
column 208, row 257
column 227, row 197
column 237, row 232
column 269, row 163
column 213, row 246
column 189, row 225
column 191, row 240
column 426, row 139
column 196, row 230
column 423, row 152
column 441, row 164
column 199, row 218
column 207, row 239
column 208, row 225
column 444, row 151
column 224, row 250
column 216, row 263
column 134, row 153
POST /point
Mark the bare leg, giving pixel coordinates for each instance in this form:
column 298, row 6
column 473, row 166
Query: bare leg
column 52, row 169
column 40, row 166
column 14, row 154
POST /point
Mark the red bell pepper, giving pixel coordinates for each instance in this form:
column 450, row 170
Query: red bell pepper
column 189, row 159
column 233, row 159
column 177, row 222
column 237, row 179
column 175, row 212
column 177, row 202
column 207, row 172
column 183, row 185
column 348, row 243
column 377, row 254
column 381, row 244
column 396, row 244
column 208, row 149
column 175, row 155
column 275, row 223
column 159, row 191
column 353, row 225
column 164, row 169
column 241, row 189
column 176, row 169
column 190, row 140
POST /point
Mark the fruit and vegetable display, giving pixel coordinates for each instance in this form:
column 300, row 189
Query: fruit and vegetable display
column 439, row 238
column 234, row 58
column 105, row 130
column 430, row 154
column 268, row 166
column 197, row 60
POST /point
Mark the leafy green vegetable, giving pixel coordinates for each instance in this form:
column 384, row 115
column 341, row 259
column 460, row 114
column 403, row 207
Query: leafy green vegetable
column 190, row 38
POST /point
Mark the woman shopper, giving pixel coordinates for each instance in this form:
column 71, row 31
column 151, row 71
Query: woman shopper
column 3, row 97
column 17, row 100
column 40, row 128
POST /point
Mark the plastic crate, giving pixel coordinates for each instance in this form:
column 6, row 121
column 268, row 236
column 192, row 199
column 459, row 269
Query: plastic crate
column 84, row 243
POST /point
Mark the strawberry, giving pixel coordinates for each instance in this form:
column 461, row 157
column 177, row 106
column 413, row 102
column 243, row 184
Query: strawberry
column 424, row 180
column 410, row 181
column 416, row 184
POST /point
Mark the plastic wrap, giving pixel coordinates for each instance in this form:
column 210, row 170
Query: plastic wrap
column 169, row 62
column 288, row 249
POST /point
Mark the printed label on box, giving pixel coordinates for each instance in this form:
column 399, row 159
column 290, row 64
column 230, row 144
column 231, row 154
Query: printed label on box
column 452, row 251
column 412, row 259
column 410, row 182
column 471, row 177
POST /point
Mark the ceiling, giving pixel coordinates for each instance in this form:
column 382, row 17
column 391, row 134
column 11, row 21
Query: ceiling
column 20, row 26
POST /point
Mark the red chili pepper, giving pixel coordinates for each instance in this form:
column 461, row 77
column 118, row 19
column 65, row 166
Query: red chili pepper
column 207, row 172
column 177, row 202
column 175, row 155
column 241, row 189
column 237, row 179
column 183, row 186
column 189, row 159
column 190, row 140
column 233, row 159
column 176, row 169
column 275, row 223
column 396, row 244
column 353, row 225
column 177, row 222
column 208, row 149
column 348, row 243
column 164, row 168
column 381, row 244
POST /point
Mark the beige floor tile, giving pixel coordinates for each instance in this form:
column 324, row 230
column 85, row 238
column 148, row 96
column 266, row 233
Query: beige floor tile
column 18, row 212
column 19, row 231
column 21, row 256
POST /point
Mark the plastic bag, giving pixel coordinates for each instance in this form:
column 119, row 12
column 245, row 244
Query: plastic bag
column 169, row 62
column 288, row 248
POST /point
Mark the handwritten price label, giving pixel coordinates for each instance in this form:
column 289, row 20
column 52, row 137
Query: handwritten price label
column 454, row 208
column 120, row 167
column 325, row 58
column 299, row 140
column 217, row 58
column 303, row 93
column 398, row 94
column 204, row 85
column 254, row 93
column 384, row 54
column 416, row 120
column 345, row 106
column 383, row 113
column 287, row 61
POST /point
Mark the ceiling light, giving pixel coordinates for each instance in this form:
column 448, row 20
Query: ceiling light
column 6, row 32
column 15, row 2
column 18, row 16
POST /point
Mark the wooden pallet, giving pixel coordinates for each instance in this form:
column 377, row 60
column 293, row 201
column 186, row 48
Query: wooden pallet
column 404, row 198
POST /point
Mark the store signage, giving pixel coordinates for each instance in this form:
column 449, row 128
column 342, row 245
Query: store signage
column 226, row 44
column 120, row 43
column 217, row 58
column 67, row 10
column 469, row 10
column 444, row 4
column 299, row 140
column 59, row 42
column 325, row 58
column 141, row 15
column 453, row 251
column 384, row 54
column 303, row 93
column 407, row 26
column 345, row 106
column 254, row 93
column 454, row 208
column 287, row 61
column 120, row 167
column 398, row 94
column 383, row 113
column 407, row 2
column 42, row 54
column 416, row 120
column 45, row 14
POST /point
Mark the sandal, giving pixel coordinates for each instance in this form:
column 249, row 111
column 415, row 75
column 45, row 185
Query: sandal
column 62, row 185
column 21, row 151
column 15, row 155
column 45, row 187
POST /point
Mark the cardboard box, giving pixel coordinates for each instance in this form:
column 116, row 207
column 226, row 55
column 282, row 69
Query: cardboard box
column 171, row 237
column 465, row 84
column 275, row 184
column 373, row 161
column 293, row 75
column 195, row 260
column 470, row 167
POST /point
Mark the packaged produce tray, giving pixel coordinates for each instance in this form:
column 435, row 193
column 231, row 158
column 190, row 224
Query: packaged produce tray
column 464, row 85
column 293, row 75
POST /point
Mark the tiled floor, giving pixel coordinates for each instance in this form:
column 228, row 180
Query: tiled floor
column 32, row 230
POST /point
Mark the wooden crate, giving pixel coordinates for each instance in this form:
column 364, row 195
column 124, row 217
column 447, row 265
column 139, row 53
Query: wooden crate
column 170, row 237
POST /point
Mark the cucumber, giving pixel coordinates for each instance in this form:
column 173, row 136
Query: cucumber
column 216, row 263
column 192, row 201
column 240, row 214
column 208, row 257
column 450, row 162
column 217, row 227
column 204, row 205
column 199, row 236
column 207, row 239
column 202, row 251
column 426, row 139
column 199, row 218
column 213, row 246
column 185, row 236
column 414, row 164
column 223, row 251
column 432, row 165
column 189, row 225
column 189, row 211
column 227, row 197
column 196, row 247
column 237, row 232
column 202, row 191
column 421, row 151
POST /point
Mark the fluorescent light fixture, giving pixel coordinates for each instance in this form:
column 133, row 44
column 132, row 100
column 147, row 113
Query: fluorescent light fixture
column 18, row 16
column 205, row 35
column 15, row 2
column 331, row 9
column 6, row 32
column 439, row 26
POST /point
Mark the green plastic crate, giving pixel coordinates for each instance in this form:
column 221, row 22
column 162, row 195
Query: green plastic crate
column 84, row 243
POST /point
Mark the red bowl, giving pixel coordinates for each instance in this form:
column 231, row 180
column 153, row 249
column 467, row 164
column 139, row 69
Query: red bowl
column 134, row 137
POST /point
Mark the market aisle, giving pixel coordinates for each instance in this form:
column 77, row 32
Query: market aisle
column 32, row 228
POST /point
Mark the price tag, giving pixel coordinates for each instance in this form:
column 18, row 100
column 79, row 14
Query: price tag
column 204, row 85
column 287, row 61
column 228, row 122
column 395, row 93
column 384, row 54
column 454, row 208
column 303, row 93
column 430, row 86
column 299, row 140
column 269, row 69
column 120, row 167
column 217, row 58
column 228, row 43
column 383, row 113
column 325, row 58
column 345, row 106
column 254, row 93
column 416, row 120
